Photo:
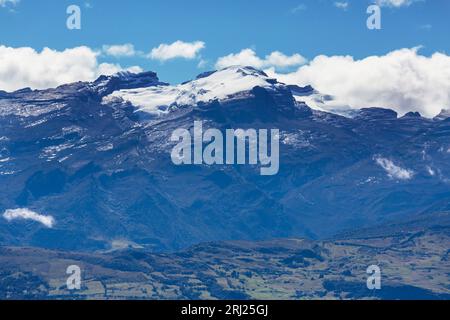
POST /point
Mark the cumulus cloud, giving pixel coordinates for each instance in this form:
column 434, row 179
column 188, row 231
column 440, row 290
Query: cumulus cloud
column 110, row 68
column 178, row 49
column 26, row 67
column 280, row 60
column 402, row 80
column 248, row 57
column 26, row 214
column 393, row 170
column 395, row 3
column 120, row 50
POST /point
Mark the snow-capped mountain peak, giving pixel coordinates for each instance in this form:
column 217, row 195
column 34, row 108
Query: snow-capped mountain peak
column 105, row 85
column 216, row 85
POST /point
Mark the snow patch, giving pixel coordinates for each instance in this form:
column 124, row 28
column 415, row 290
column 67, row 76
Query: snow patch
column 105, row 147
column 7, row 173
column 72, row 129
column 52, row 151
column 298, row 140
column 320, row 102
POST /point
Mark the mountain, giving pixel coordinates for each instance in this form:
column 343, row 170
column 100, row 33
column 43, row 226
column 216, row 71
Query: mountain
column 95, row 156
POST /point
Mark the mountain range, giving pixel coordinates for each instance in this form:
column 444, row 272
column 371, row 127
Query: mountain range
column 95, row 157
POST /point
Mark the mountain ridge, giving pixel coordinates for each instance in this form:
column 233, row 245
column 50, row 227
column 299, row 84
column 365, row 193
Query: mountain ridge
column 126, row 80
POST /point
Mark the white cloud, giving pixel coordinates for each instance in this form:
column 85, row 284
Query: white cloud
column 4, row 3
column 26, row 214
column 341, row 5
column 120, row 50
column 26, row 67
column 395, row 3
column 402, row 80
column 280, row 60
column 394, row 171
column 248, row 57
column 178, row 49
column 110, row 68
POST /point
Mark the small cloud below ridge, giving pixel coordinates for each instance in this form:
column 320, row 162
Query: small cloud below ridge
column 26, row 214
column 394, row 171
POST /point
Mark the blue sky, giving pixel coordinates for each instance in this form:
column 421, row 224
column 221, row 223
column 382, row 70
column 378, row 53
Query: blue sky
column 306, row 27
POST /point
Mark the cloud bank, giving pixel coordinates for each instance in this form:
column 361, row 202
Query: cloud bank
column 248, row 57
column 26, row 214
column 402, row 80
column 26, row 67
